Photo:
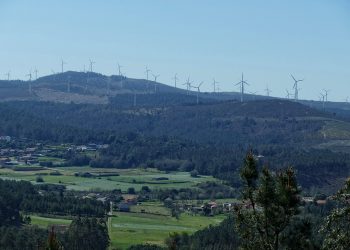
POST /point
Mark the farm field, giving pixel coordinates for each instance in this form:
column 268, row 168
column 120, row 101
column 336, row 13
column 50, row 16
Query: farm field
column 119, row 179
column 44, row 222
column 153, row 226
column 135, row 228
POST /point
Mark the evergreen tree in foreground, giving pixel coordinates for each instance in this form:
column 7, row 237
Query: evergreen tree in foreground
column 336, row 228
column 271, row 200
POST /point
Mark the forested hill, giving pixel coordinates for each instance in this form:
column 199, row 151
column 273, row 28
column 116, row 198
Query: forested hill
column 211, row 137
column 258, row 122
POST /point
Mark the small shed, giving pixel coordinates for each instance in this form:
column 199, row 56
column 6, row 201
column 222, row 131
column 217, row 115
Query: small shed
column 124, row 207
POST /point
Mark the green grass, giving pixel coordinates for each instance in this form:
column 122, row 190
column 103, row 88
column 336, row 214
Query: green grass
column 127, row 178
column 136, row 228
column 126, row 229
column 44, row 222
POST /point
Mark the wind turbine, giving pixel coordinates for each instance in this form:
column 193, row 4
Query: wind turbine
column 62, row 65
column 91, row 64
column 295, row 87
column 242, row 83
column 175, row 79
column 119, row 67
column 198, row 90
column 8, row 75
column 326, row 91
column 188, row 85
column 347, row 99
column 322, row 98
column 214, row 84
column 30, row 82
column 155, row 82
column 267, row 90
column 288, row 94
column 36, row 73
column 147, row 73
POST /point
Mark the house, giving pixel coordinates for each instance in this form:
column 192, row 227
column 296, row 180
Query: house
column 321, row 202
column 124, row 207
column 130, row 199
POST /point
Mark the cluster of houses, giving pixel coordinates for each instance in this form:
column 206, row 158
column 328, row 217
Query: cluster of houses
column 12, row 157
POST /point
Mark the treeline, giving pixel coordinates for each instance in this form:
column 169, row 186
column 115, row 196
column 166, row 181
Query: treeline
column 16, row 233
column 82, row 234
column 316, row 167
column 25, row 197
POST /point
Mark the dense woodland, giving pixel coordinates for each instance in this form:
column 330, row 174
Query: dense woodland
column 210, row 138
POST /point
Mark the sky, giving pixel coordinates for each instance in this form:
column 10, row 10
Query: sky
column 201, row 39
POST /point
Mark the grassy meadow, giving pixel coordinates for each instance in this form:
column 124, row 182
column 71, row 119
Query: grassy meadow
column 126, row 178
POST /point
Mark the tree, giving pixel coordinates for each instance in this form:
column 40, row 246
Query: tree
column 336, row 228
column 87, row 234
column 194, row 173
column 271, row 200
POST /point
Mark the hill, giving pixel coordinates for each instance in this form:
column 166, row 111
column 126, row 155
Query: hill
column 212, row 136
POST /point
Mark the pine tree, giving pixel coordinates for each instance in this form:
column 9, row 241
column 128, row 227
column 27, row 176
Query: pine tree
column 271, row 200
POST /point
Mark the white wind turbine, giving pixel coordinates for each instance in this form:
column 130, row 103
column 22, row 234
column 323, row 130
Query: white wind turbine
column 242, row 83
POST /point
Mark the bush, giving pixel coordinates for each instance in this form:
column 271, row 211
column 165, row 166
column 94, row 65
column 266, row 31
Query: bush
column 39, row 179
column 194, row 173
column 131, row 190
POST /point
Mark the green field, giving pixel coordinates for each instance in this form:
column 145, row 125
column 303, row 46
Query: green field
column 127, row 178
column 135, row 228
column 44, row 222
column 126, row 229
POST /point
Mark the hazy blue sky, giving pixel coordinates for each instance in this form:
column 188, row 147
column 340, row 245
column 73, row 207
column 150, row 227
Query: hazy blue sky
column 267, row 40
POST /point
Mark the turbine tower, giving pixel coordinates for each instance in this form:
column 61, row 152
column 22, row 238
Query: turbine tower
column 8, row 75
column 36, row 73
column 326, row 91
column 288, row 96
column 188, row 85
column 121, row 81
column 147, row 73
column 91, row 64
column 295, row 87
column 175, row 79
column 62, row 65
column 214, row 84
column 322, row 99
column 267, row 90
column 119, row 67
column 155, row 82
column 242, row 83
column 198, row 90
column 30, row 82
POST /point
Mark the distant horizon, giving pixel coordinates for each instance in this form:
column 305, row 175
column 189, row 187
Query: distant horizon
column 203, row 40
